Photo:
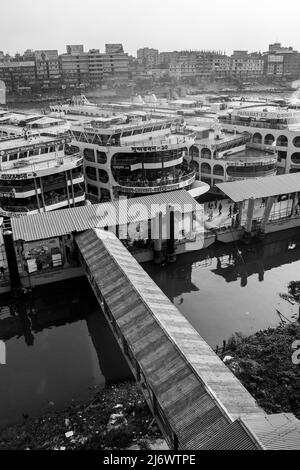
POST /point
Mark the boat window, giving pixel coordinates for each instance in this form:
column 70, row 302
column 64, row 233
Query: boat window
column 91, row 172
column 126, row 133
column 89, row 155
column 103, row 176
column 137, row 131
column 91, row 189
column 101, row 157
column 14, row 156
column 22, row 155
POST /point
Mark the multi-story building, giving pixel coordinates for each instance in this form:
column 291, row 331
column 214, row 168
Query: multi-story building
column 93, row 67
column 74, row 66
column 47, row 67
column 148, row 57
column 166, row 58
column 221, row 66
column 17, row 75
column 183, row 68
column 282, row 61
column 244, row 65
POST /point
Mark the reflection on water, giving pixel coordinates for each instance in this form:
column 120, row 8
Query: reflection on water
column 233, row 288
column 58, row 344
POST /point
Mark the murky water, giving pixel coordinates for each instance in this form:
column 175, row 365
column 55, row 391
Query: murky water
column 58, row 346
column 233, row 288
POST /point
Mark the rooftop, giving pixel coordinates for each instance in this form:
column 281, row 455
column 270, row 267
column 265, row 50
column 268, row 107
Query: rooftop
column 77, row 219
column 250, row 155
column 19, row 142
column 256, row 188
column 34, row 164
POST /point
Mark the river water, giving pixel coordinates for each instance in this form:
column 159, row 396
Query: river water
column 58, row 345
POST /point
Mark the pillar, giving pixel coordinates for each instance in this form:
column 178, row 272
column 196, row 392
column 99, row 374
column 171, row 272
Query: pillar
column 250, row 210
column 36, row 194
column 171, row 234
column 42, row 194
column 158, row 238
column 267, row 212
column 240, row 207
column 12, row 263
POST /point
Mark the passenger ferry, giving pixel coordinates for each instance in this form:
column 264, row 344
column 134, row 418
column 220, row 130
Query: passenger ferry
column 218, row 156
column 270, row 126
column 135, row 158
column 38, row 173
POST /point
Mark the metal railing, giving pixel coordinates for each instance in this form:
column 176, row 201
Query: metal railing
column 46, row 164
column 261, row 125
column 157, row 182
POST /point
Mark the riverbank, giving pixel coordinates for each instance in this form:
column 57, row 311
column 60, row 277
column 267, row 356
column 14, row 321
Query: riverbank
column 263, row 363
column 116, row 417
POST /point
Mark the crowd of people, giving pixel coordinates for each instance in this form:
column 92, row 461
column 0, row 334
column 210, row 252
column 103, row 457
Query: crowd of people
column 233, row 212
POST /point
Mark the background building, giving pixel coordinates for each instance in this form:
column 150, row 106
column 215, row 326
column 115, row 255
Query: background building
column 282, row 61
column 147, row 57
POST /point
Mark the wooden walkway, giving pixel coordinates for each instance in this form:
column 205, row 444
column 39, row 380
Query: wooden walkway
column 191, row 392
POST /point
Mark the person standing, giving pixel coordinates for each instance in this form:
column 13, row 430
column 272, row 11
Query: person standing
column 230, row 211
column 220, row 208
column 2, row 270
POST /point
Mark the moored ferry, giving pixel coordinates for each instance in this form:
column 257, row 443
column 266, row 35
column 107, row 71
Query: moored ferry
column 39, row 173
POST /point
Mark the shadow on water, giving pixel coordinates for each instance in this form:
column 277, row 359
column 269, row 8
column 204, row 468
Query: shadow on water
column 58, row 346
column 233, row 287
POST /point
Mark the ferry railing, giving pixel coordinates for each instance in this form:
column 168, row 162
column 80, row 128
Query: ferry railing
column 158, row 182
column 46, row 164
column 262, row 125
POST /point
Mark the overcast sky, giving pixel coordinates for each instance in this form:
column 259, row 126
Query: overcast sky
column 163, row 24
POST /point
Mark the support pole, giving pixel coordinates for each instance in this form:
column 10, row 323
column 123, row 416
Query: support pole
column 249, row 218
column 14, row 275
column 158, row 238
column 266, row 214
column 171, row 235
column 241, row 208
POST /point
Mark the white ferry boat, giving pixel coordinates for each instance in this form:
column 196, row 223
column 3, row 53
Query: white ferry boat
column 39, row 173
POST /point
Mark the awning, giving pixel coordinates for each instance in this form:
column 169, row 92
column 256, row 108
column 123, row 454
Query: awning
column 256, row 188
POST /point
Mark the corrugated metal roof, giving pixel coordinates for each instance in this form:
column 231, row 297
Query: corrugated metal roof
column 234, row 437
column 77, row 219
column 261, row 187
column 275, row 432
column 197, row 392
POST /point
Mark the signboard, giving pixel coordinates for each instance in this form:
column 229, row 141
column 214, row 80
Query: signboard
column 157, row 148
column 17, row 176
column 154, row 189
column 8, row 194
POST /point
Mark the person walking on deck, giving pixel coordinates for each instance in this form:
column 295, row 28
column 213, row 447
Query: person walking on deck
column 220, row 209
